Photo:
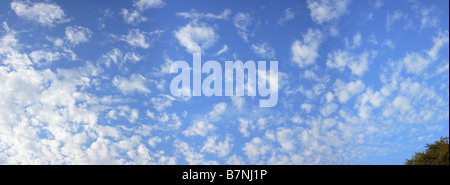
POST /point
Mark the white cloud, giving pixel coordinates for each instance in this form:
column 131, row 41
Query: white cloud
column 114, row 55
column 364, row 113
column 262, row 123
column 196, row 38
column 270, row 135
column 135, row 83
column 375, row 98
column 58, row 42
column 200, row 128
column 398, row 16
column 310, row 75
column 334, row 30
column 106, row 14
column 51, row 116
column 132, row 17
column 306, row 107
column 305, row 53
column 164, row 118
column 329, row 97
column 344, row 91
column 356, row 42
column 8, row 42
column 8, row 50
column 143, row 5
column 288, row 15
column 235, row 160
column 168, row 121
column 164, row 68
column 136, row 38
column 401, row 103
column 192, row 157
column 378, row 4
column 263, row 50
column 413, row 89
column 339, row 59
column 46, row 56
column 154, row 141
column 328, row 109
column 47, row 14
column 238, row 102
column 218, row 110
column 162, row 101
column 297, row 119
column 442, row 68
column 439, row 41
column 132, row 57
column 255, row 148
column 372, row 39
column 418, row 62
column 388, row 43
column 56, row 100
column 68, row 116
column 150, row 114
column 220, row 148
column 78, row 34
column 286, row 138
column 429, row 18
column 203, row 125
column 415, row 62
column 223, row 50
column 111, row 114
column 358, row 64
column 125, row 111
column 197, row 16
column 242, row 21
column 134, row 115
column 245, row 125
column 117, row 57
column 409, row 99
column 327, row 10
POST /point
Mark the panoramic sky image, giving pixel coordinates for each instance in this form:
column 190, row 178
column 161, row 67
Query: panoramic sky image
column 96, row 82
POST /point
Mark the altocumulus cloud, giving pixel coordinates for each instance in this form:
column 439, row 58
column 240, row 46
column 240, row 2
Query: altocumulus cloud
column 92, row 86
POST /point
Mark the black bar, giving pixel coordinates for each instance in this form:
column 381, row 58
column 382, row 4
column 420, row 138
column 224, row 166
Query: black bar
column 273, row 174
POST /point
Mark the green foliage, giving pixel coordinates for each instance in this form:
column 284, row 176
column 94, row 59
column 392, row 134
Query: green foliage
column 435, row 154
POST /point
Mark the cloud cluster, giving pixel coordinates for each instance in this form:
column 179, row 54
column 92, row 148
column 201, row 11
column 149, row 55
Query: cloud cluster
column 242, row 22
column 327, row 10
column 142, row 5
column 196, row 38
column 47, row 14
column 135, row 17
column 304, row 53
column 263, row 50
column 74, row 94
column 78, row 34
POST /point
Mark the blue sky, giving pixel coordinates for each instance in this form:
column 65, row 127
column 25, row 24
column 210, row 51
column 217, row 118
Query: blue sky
column 88, row 82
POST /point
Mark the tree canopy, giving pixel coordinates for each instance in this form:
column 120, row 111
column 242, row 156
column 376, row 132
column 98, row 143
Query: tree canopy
column 435, row 154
